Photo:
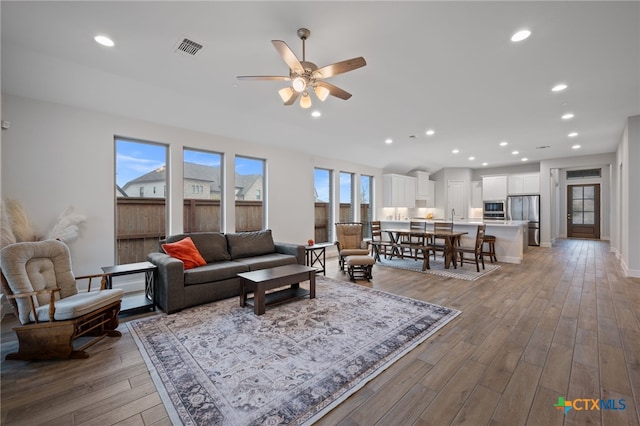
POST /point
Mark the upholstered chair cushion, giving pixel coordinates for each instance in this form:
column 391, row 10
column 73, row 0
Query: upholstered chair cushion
column 34, row 266
column 40, row 265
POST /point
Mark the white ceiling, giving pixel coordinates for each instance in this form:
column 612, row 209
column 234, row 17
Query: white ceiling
column 449, row 66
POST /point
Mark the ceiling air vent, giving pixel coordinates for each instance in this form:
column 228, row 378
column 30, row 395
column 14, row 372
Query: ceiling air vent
column 189, row 47
column 583, row 174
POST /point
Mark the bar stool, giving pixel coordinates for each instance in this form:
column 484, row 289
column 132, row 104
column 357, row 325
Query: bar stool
column 490, row 240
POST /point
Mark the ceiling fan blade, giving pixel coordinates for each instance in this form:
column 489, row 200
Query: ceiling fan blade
column 340, row 67
column 264, row 77
column 334, row 90
column 288, row 56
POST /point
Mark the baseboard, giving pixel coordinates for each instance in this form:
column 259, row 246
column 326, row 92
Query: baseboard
column 509, row 259
column 631, row 273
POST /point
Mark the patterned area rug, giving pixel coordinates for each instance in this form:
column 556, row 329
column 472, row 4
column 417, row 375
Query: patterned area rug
column 466, row 272
column 219, row 364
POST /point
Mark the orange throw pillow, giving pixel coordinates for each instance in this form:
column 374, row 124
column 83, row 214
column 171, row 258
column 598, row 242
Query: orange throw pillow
column 186, row 251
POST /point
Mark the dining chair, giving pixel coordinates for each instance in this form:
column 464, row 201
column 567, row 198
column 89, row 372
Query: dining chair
column 414, row 242
column 440, row 244
column 475, row 250
column 378, row 244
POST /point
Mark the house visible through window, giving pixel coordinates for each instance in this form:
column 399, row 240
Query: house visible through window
column 249, row 175
column 202, row 183
column 140, row 211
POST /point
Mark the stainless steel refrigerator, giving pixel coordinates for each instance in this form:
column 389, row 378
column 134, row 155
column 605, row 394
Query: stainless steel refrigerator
column 526, row 207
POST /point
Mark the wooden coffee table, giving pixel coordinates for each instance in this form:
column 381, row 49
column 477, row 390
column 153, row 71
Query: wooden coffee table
column 258, row 282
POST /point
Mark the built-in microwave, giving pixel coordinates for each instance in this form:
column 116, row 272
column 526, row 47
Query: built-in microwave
column 494, row 210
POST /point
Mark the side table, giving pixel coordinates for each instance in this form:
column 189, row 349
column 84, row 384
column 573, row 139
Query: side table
column 149, row 270
column 316, row 254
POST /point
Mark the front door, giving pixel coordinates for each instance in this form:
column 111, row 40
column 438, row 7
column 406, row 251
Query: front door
column 583, row 211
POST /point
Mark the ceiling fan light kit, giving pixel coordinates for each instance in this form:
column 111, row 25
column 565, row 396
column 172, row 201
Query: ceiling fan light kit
column 304, row 75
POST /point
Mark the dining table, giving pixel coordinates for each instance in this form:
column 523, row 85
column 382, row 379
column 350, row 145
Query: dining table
column 450, row 238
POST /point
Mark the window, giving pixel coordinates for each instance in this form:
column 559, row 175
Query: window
column 346, row 197
column 140, row 211
column 366, row 206
column 249, row 192
column 202, row 183
column 323, row 206
column 584, row 174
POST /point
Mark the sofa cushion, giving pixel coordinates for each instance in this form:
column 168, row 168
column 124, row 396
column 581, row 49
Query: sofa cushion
column 186, row 251
column 248, row 244
column 211, row 272
column 268, row 261
column 211, row 245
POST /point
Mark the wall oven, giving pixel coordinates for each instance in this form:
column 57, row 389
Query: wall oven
column 494, row 210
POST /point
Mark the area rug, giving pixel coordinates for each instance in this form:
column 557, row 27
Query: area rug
column 466, row 272
column 220, row 364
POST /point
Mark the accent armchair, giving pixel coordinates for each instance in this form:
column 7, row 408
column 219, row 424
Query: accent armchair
column 43, row 292
column 350, row 241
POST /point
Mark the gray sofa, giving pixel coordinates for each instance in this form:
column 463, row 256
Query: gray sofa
column 226, row 256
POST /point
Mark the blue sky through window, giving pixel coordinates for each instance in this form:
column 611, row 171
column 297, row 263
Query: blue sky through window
column 134, row 159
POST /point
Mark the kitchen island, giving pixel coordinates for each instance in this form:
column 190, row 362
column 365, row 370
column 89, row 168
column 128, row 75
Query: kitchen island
column 511, row 235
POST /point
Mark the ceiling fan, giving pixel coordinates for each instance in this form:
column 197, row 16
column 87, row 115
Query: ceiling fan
column 306, row 76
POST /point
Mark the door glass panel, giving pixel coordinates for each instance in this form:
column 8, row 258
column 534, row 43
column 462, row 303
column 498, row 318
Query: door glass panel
column 589, row 205
column 577, row 206
column 576, row 219
column 589, row 192
column 589, row 218
column 577, row 192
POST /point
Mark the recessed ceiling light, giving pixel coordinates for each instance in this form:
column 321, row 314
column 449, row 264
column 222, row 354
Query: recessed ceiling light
column 568, row 116
column 515, row 152
column 485, row 164
column 525, row 159
column 455, row 151
column 388, row 141
column 104, row 40
column 316, row 114
column 520, row 35
column 504, row 143
column 559, row 87
column 576, row 147
column 573, row 134
column 430, row 132
column 472, row 158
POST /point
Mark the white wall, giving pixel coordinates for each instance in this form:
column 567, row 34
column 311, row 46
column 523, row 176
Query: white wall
column 627, row 242
column 54, row 156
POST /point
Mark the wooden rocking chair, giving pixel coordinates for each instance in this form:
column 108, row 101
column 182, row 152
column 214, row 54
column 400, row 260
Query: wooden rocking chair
column 37, row 280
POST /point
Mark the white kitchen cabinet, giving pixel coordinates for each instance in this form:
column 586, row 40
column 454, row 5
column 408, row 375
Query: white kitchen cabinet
column 494, row 188
column 398, row 191
column 532, row 183
column 425, row 189
column 524, row 184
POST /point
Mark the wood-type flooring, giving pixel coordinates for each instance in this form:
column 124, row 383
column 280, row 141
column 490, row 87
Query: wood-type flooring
column 564, row 323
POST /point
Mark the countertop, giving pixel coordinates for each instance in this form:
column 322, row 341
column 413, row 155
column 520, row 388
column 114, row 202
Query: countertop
column 479, row 221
